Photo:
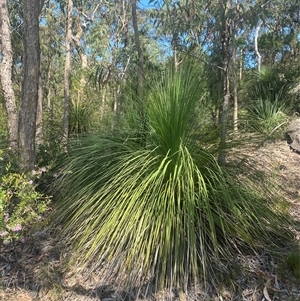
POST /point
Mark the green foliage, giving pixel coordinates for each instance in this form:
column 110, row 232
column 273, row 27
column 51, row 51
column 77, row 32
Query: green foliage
column 269, row 103
column 265, row 115
column 21, row 206
column 269, row 84
column 3, row 121
column 80, row 117
column 8, row 157
column 162, row 211
column 51, row 148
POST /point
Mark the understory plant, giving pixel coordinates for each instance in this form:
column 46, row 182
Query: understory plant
column 80, row 117
column 21, row 206
column 161, row 212
column 267, row 116
column 271, row 104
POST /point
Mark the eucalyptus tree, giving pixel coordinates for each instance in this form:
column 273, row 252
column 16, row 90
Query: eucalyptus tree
column 80, row 47
column 275, row 42
column 225, row 36
column 68, row 40
column 95, row 37
column 278, row 39
column 138, row 48
column 227, row 27
column 83, row 13
column 30, row 84
column 52, row 50
column 6, row 75
column 117, row 49
column 23, row 61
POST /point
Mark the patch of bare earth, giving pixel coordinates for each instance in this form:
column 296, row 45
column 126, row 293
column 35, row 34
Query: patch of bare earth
column 285, row 165
column 37, row 270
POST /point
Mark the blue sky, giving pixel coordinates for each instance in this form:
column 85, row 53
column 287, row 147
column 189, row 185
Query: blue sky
column 145, row 4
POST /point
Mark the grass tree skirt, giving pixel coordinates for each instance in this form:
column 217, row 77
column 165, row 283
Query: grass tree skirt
column 161, row 212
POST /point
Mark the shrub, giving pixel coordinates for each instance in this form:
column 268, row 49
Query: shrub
column 21, row 206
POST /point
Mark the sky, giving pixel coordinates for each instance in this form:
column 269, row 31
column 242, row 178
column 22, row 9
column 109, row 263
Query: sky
column 145, row 4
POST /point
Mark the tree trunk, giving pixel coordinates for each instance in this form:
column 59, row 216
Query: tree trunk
column 141, row 75
column 235, row 83
column 102, row 105
column 177, row 62
column 224, row 117
column 80, row 99
column 241, row 64
column 256, row 46
column 49, row 105
column 226, row 87
column 39, row 114
column 39, row 110
column 6, row 76
column 139, row 51
column 68, row 40
column 115, row 110
column 82, row 55
column 30, row 85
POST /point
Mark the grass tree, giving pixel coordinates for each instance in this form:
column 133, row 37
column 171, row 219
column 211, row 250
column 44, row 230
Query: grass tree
column 163, row 212
column 266, row 116
column 269, row 105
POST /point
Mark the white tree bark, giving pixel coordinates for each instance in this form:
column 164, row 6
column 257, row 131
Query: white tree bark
column 256, row 46
column 6, row 76
column 235, row 82
column 68, row 40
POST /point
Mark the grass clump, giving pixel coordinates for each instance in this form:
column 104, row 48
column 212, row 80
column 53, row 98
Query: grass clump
column 161, row 212
column 266, row 116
